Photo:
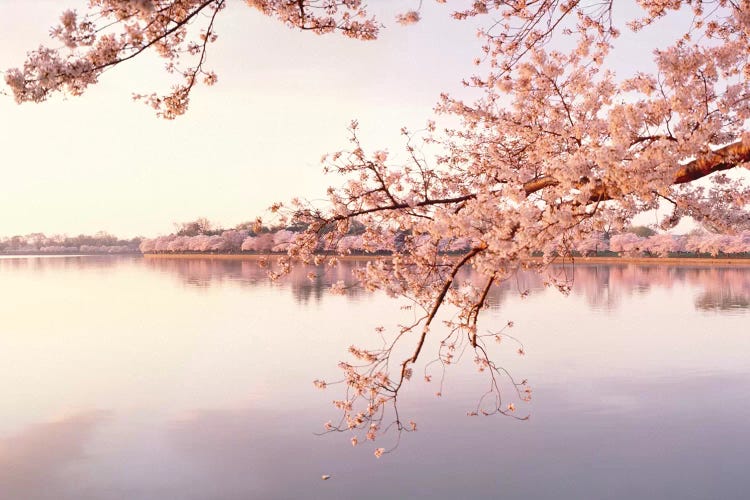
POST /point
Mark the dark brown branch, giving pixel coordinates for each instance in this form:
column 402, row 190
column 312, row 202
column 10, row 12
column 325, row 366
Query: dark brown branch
column 476, row 308
column 722, row 159
column 436, row 306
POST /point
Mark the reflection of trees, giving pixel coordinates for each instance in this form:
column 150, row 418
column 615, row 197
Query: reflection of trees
column 373, row 376
column 603, row 285
column 595, row 283
column 520, row 283
column 721, row 300
column 725, row 289
column 305, row 282
column 309, row 288
column 43, row 263
column 720, row 287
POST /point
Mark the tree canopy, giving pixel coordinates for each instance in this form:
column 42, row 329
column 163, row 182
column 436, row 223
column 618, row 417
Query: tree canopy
column 556, row 147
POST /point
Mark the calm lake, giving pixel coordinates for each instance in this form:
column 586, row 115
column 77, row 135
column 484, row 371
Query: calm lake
column 132, row 378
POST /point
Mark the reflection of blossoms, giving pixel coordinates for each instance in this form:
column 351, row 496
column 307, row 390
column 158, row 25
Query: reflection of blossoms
column 338, row 288
column 605, row 285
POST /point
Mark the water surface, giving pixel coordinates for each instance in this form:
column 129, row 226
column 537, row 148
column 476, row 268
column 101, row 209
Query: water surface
column 130, row 378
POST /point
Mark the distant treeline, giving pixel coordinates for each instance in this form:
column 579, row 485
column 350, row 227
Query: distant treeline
column 200, row 236
column 39, row 243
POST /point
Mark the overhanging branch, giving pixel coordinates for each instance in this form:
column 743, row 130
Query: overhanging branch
column 724, row 158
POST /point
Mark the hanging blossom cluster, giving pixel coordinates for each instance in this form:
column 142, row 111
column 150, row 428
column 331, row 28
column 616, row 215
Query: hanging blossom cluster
column 369, row 408
column 179, row 31
column 322, row 16
column 556, row 148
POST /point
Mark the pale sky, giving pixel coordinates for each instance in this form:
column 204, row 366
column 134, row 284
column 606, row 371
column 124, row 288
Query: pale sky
column 283, row 99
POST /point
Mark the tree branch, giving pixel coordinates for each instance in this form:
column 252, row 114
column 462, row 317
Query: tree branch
column 723, row 158
column 436, row 306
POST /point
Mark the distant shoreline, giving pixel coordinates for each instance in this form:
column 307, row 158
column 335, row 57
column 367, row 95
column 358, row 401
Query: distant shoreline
column 674, row 261
column 712, row 261
column 71, row 254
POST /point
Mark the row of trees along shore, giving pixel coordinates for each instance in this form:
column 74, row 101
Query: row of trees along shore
column 558, row 138
column 202, row 237
column 635, row 242
column 39, row 243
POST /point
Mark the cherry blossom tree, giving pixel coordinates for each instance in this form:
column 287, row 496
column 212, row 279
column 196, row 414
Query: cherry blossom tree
column 592, row 244
column 664, row 244
column 557, row 147
column 627, row 243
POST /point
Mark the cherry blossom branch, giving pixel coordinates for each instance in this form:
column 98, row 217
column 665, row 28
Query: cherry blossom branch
column 437, row 303
column 115, row 32
column 724, row 158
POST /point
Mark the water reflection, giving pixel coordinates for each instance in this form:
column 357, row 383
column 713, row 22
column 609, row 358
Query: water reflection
column 722, row 300
column 617, row 440
column 205, row 272
column 40, row 263
column 207, row 369
column 604, row 286
column 723, row 288
column 33, row 462
column 237, row 455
